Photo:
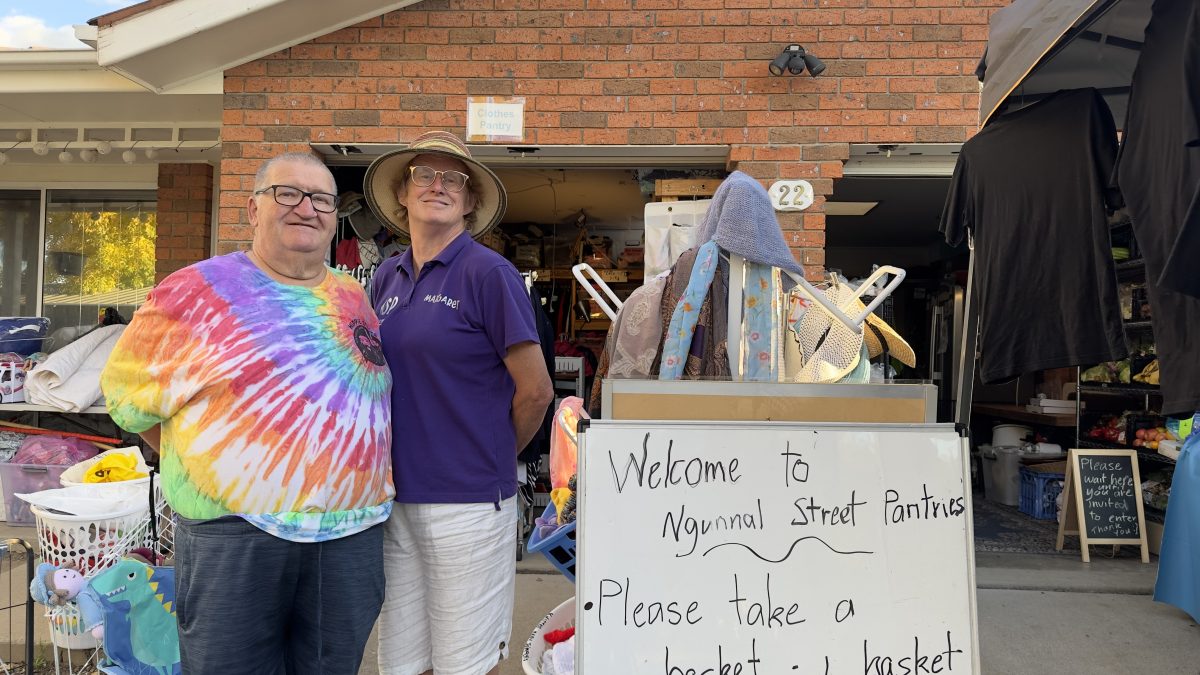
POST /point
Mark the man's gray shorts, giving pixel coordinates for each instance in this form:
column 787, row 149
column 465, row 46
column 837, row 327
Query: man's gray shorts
column 249, row 602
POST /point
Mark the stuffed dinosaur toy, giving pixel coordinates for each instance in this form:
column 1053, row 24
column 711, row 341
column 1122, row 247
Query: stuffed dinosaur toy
column 61, row 586
column 141, row 635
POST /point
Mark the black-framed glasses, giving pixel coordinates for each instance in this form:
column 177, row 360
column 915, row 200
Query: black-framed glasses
column 423, row 176
column 286, row 195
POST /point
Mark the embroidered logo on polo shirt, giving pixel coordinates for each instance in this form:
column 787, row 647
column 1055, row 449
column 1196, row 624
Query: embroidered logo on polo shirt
column 368, row 343
column 442, row 299
column 388, row 305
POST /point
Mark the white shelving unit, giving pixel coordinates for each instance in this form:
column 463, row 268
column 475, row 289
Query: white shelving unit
column 568, row 375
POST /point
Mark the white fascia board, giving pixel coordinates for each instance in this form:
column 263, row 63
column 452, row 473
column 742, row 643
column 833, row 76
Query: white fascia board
column 80, row 81
column 87, row 34
column 46, row 59
column 160, row 27
column 177, row 43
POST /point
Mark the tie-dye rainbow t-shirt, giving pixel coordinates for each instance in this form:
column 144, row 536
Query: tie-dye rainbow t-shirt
column 273, row 399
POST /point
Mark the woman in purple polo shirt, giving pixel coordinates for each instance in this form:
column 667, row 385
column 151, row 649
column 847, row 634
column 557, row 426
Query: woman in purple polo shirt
column 470, row 388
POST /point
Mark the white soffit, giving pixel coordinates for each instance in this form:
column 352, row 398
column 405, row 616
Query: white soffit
column 911, row 159
column 185, row 40
column 551, row 156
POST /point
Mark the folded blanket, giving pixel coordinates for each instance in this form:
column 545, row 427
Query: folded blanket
column 69, row 379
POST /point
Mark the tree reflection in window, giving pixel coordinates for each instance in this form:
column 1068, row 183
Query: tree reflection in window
column 100, row 252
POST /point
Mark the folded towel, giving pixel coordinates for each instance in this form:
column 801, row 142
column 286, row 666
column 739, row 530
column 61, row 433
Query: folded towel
column 69, row 379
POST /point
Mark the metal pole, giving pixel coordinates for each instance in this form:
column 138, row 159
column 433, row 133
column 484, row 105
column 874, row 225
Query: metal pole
column 966, row 357
column 12, row 544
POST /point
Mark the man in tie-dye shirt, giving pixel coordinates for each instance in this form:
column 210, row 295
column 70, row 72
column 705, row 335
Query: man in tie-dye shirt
column 260, row 379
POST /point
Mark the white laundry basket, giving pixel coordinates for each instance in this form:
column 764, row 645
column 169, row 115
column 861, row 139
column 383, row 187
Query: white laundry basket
column 92, row 544
column 559, row 618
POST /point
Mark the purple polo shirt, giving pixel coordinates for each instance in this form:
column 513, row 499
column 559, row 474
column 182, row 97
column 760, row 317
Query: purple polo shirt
column 445, row 337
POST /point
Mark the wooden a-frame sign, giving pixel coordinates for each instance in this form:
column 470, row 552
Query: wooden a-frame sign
column 1099, row 488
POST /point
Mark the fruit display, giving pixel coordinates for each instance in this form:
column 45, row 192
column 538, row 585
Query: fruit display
column 1108, row 429
column 1150, row 438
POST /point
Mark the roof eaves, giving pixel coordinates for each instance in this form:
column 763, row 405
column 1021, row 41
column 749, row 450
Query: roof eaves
column 127, row 12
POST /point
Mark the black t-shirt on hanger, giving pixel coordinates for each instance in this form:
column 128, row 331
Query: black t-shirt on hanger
column 1159, row 174
column 1032, row 187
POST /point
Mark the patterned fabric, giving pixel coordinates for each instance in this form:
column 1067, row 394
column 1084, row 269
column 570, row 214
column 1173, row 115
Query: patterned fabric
column 708, row 357
column 762, row 327
column 273, row 399
column 682, row 327
column 636, row 333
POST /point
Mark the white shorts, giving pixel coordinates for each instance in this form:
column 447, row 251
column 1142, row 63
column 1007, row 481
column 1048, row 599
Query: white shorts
column 451, row 577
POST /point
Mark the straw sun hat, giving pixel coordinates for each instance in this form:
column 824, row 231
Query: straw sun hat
column 828, row 350
column 386, row 169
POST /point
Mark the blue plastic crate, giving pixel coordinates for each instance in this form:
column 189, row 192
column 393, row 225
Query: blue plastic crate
column 1039, row 493
column 559, row 547
column 22, row 334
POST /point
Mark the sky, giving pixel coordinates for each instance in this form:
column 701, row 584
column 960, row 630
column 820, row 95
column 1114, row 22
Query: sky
column 47, row 23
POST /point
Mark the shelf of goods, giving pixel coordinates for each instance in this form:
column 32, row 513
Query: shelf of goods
column 1017, row 413
column 29, row 407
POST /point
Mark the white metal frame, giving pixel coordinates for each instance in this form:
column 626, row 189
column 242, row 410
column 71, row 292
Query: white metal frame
column 737, row 265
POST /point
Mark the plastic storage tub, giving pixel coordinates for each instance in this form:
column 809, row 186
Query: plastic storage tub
column 23, row 479
column 22, row 334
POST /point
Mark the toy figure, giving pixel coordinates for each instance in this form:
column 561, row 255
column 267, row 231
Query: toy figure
column 61, row 586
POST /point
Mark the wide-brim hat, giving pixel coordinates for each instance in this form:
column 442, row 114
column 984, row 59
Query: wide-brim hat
column 830, row 350
column 386, row 168
column 353, row 210
column 877, row 333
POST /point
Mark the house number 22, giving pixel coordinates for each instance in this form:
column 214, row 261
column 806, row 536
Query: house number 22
column 791, row 195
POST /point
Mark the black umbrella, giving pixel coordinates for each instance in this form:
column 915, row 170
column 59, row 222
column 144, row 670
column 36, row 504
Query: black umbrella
column 1037, row 47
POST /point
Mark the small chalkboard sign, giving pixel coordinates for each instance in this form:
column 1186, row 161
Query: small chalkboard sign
column 1103, row 492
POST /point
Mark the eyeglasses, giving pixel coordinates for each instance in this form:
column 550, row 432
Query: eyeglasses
column 423, row 176
column 286, row 195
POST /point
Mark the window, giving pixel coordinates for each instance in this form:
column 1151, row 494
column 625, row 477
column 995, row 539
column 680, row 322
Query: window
column 99, row 254
column 20, row 213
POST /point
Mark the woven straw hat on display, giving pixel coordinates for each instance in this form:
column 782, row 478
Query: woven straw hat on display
column 385, row 170
column 877, row 332
column 830, row 350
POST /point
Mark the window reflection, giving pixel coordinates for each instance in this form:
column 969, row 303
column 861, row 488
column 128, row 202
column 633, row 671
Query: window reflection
column 99, row 254
column 19, row 211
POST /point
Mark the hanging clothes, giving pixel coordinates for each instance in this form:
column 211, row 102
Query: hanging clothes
column 1159, row 174
column 1032, row 187
column 708, row 356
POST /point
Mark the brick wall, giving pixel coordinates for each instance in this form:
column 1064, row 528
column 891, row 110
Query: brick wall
column 624, row 72
column 185, row 194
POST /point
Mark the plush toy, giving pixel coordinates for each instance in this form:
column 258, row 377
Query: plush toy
column 58, row 586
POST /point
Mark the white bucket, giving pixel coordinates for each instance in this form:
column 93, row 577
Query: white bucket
column 559, row 618
column 1010, row 434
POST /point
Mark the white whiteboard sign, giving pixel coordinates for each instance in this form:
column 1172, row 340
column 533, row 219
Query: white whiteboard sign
column 774, row 549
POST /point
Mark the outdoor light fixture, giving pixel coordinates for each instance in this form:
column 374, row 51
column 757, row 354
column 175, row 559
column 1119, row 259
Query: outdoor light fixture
column 41, row 148
column 151, row 153
column 103, row 147
column 795, row 59
column 3, row 159
column 87, row 155
column 129, row 156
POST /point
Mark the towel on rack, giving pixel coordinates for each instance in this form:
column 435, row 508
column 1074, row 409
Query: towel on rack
column 69, row 379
